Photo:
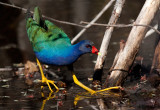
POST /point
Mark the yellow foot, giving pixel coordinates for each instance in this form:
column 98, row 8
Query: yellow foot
column 45, row 80
column 48, row 82
column 109, row 88
column 76, row 81
column 103, row 91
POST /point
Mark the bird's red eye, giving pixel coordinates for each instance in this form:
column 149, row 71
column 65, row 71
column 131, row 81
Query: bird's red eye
column 88, row 46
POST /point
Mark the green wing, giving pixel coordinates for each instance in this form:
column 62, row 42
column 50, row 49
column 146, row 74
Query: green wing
column 44, row 32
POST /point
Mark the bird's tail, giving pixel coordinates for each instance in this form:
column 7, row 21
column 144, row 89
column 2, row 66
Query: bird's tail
column 37, row 15
column 38, row 18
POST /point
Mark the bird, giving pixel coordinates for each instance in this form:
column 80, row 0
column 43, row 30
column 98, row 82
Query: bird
column 52, row 46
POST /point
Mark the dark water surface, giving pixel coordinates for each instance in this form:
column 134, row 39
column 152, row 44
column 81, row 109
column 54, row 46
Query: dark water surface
column 15, row 47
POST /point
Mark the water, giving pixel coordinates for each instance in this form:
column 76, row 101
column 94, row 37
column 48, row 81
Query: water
column 17, row 95
column 15, row 47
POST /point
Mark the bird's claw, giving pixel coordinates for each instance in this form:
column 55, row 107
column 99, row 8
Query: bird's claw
column 48, row 82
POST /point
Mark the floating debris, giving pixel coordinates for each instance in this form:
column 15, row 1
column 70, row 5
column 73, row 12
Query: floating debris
column 31, row 90
column 61, row 84
column 4, row 96
column 6, row 69
column 61, row 88
column 80, row 107
column 5, row 80
column 90, row 79
column 53, row 106
column 16, row 100
column 115, row 43
column 30, row 67
column 94, row 61
column 36, row 81
column 5, row 86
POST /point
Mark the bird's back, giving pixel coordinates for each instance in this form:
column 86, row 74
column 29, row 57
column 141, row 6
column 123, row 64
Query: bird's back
column 44, row 34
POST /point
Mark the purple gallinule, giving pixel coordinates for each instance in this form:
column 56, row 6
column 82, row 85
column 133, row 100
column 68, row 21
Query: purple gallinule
column 52, row 46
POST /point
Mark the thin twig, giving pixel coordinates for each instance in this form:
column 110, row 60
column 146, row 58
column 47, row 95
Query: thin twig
column 93, row 21
column 63, row 22
column 122, row 25
column 55, row 20
column 101, row 104
column 107, row 36
column 82, row 22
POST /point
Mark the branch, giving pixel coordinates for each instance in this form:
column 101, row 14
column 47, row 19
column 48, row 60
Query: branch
column 93, row 21
column 106, row 39
column 122, row 25
column 55, row 20
column 127, row 55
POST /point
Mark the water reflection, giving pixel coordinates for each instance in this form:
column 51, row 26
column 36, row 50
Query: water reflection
column 61, row 96
column 102, row 94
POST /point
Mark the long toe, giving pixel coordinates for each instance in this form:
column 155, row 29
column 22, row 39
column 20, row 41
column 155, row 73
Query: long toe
column 109, row 88
column 48, row 82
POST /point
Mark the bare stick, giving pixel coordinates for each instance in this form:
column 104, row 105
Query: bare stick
column 93, row 21
column 122, row 25
column 101, row 104
column 104, row 46
column 106, row 39
column 156, row 58
column 127, row 55
column 55, row 20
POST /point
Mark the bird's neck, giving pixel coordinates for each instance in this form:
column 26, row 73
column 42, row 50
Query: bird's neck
column 76, row 49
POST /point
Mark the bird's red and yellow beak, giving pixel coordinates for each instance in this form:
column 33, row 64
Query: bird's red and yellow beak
column 95, row 50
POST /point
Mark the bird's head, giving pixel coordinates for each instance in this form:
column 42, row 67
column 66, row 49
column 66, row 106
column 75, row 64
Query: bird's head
column 86, row 46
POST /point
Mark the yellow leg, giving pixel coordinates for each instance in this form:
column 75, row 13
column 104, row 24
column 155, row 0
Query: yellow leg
column 82, row 85
column 44, row 79
column 106, row 89
column 88, row 89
